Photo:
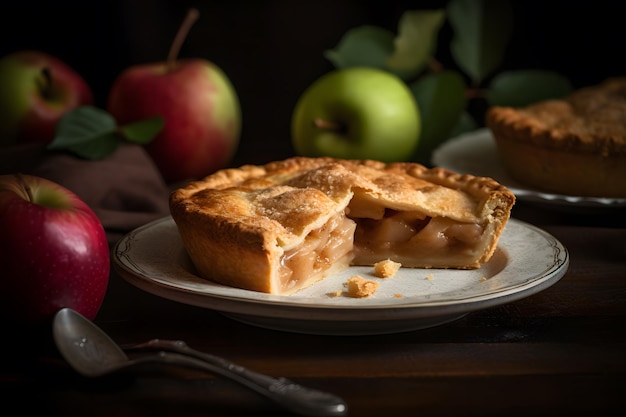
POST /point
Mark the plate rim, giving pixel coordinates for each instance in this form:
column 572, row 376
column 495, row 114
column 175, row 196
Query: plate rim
column 275, row 307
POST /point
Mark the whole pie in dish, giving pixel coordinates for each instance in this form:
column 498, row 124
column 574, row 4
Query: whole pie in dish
column 283, row 226
column 574, row 146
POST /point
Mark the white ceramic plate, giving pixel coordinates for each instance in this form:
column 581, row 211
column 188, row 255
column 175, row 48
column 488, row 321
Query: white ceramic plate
column 476, row 153
column 526, row 261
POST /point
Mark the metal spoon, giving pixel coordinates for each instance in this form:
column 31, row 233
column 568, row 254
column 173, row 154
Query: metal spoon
column 92, row 353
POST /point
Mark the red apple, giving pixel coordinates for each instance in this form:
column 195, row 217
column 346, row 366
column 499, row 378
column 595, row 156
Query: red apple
column 36, row 90
column 198, row 104
column 53, row 251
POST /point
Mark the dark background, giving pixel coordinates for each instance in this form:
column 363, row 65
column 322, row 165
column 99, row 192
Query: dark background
column 272, row 50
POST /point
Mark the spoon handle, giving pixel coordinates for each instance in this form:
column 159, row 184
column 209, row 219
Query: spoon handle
column 295, row 397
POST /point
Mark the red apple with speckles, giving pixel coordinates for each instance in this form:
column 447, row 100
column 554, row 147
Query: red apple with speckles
column 198, row 103
column 53, row 251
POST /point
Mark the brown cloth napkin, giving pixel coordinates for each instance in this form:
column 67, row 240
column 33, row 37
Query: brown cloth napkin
column 125, row 189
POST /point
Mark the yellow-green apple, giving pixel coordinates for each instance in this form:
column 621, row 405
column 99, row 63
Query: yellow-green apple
column 357, row 113
column 53, row 251
column 198, row 104
column 36, row 90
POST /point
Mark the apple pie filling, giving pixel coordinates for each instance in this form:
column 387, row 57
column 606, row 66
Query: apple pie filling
column 323, row 251
column 400, row 236
column 390, row 234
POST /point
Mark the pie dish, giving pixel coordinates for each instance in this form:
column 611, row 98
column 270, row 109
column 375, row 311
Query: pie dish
column 476, row 153
column 280, row 227
column 573, row 146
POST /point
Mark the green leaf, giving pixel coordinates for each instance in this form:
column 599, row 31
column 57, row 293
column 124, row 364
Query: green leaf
column 362, row 46
column 87, row 132
column 144, row 131
column 416, row 41
column 98, row 148
column 92, row 133
column 465, row 124
column 441, row 100
column 83, row 124
column 521, row 88
column 482, row 30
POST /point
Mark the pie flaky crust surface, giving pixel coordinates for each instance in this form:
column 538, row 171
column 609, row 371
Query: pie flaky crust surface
column 282, row 226
column 574, row 146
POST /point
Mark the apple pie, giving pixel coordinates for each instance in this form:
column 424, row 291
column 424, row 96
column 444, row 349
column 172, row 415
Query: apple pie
column 574, row 146
column 280, row 227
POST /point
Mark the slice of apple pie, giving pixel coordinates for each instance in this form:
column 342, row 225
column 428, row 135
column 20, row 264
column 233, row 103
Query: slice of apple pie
column 283, row 226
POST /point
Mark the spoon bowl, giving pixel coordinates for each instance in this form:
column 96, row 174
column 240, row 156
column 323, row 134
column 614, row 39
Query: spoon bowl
column 89, row 352
column 92, row 353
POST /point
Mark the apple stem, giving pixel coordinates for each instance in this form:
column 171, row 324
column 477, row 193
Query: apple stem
column 328, row 125
column 25, row 186
column 45, row 82
column 181, row 35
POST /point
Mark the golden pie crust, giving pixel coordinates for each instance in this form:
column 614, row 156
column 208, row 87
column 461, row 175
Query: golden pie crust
column 282, row 226
column 575, row 146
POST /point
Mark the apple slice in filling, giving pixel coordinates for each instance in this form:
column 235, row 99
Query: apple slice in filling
column 416, row 240
column 373, row 233
column 324, row 251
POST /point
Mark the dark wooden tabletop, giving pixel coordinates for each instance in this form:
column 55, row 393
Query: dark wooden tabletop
column 560, row 351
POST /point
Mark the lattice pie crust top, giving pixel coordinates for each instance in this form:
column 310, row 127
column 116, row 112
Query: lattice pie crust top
column 283, row 226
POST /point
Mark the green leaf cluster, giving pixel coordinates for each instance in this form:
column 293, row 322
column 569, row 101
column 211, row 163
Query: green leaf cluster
column 481, row 32
column 92, row 133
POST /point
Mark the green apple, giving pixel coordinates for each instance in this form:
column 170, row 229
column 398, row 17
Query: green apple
column 357, row 113
column 36, row 91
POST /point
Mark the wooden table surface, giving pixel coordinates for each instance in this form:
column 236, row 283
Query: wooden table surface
column 561, row 351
